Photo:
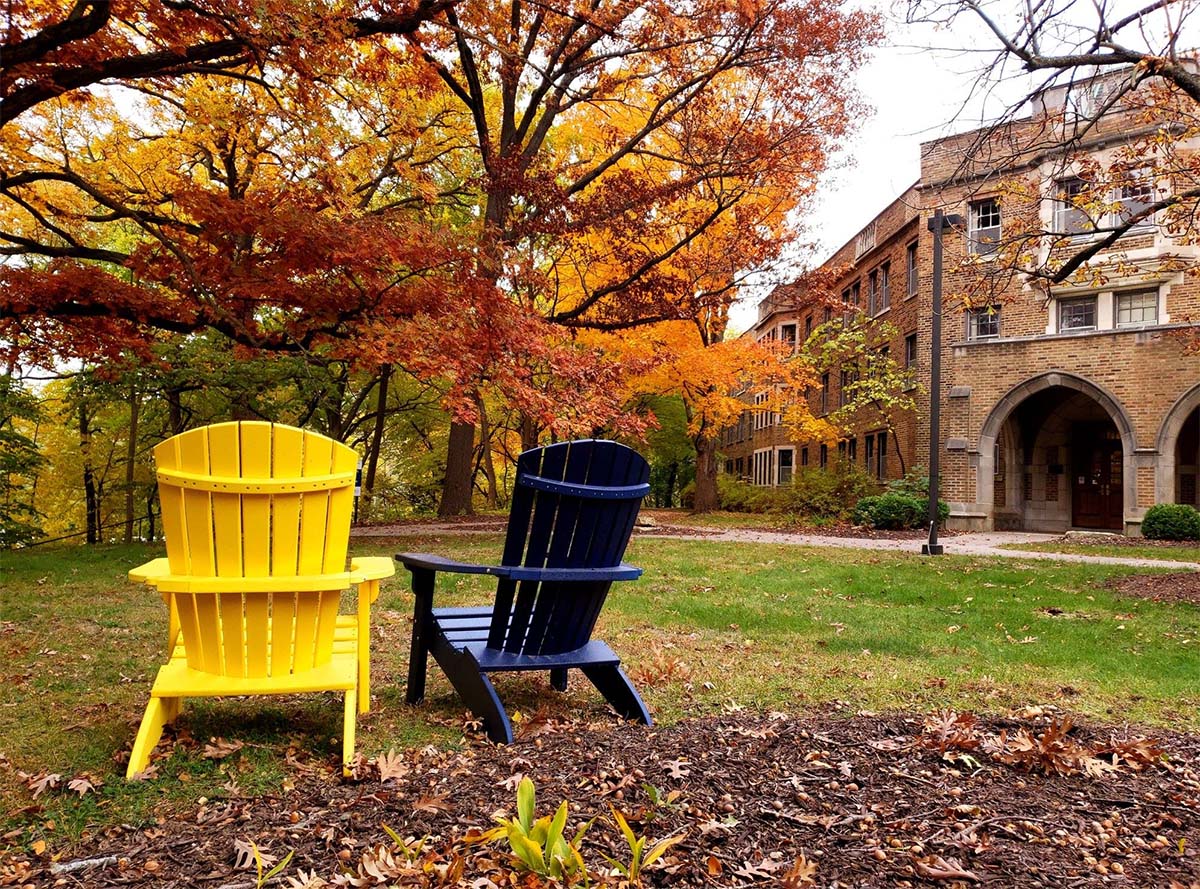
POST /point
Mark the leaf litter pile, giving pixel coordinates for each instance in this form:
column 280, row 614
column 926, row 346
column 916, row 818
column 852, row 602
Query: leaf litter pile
column 734, row 800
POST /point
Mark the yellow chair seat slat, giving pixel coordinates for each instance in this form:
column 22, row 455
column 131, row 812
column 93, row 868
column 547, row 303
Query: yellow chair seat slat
column 234, row 485
column 257, row 521
column 177, row 680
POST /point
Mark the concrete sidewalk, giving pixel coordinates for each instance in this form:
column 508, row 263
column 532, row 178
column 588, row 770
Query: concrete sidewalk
column 985, row 543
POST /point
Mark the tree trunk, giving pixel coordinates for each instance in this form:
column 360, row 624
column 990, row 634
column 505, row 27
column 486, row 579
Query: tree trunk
column 368, row 488
column 91, row 502
column 175, row 410
column 671, row 479
column 489, row 465
column 530, row 433
column 150, row 527
column 130, row 455
column 706, row 474
column 460, row 454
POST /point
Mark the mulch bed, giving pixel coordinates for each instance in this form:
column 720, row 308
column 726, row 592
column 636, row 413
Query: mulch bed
column 767, row 800
column 1181, row 587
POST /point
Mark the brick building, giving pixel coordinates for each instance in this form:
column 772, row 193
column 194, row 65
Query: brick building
column 1072, row 405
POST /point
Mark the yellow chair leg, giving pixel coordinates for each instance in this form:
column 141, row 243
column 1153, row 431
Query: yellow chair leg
column 368, row 591
column 348, row 728
column 173, row 706
column 148, row 734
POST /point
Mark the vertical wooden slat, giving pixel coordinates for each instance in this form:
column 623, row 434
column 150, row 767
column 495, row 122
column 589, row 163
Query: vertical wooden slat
column 314, row 513
column 166, row 456
column 308, row 614
column 327, row 622
column 224, row 458
column 545, row 509
column 185, row 604
column 341, row 510
column 256, row 508
column 285, row 508
column 194, row 457
column 258, row 626
column 283, row 626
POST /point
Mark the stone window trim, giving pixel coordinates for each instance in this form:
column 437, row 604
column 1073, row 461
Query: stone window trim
column 1132, row 195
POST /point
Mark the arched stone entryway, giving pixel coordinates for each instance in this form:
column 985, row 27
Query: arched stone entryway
column 1057, row 451
column 1178, row 446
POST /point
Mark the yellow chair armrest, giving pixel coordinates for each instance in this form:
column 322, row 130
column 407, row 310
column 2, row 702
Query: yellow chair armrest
column 371, row 568
column 151, row 571
column 302, row 583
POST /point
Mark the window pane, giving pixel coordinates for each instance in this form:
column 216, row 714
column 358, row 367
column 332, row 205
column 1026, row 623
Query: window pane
column 1077, row 314
column 983, row 323
column 885, row 295
column 1134, row 197
column 984, row 231
column 911, row 268
column 910, row 350
column 1140, row 307
column 1069, row 219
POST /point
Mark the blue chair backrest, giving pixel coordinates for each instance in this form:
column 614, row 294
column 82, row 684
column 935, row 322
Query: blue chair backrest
column 573, row 507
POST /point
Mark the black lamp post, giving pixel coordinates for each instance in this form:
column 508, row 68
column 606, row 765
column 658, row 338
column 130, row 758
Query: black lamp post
column 938, row 224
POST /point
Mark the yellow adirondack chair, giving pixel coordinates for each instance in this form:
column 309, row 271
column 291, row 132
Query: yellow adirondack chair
column 257, row 522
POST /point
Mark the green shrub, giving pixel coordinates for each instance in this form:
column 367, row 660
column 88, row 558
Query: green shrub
column 1171, row 521
column 813, row 494
column 893, row 510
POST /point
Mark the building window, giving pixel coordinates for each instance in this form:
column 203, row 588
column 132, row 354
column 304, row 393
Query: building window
column 729, row 467
column 763, row 418
column 827, row 316
column 983, row 323
column 842, row 451
column 739, row 467
column 868, row 452
column 881, row 456
column 1134, row 197
column 983, row 232
column 804, row 456
column 852, row 450
column 1077, row 314
column 787, row 335
column 785, row 460
column 824, row 456
column 910, row 267
column 843, row 385
column 763, row 466
column 873, row 292
column 885, row 288
column 1137, row 307
column 824, row 393
column 910, row 351
column 1069, row 217
column 807, row 328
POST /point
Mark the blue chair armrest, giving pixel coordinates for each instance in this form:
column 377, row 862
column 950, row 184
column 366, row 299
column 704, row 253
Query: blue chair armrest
column 619, row 572
column 438, row 563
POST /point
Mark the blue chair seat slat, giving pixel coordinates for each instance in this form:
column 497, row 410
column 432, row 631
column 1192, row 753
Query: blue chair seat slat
column 594, row 653
column 587, row 492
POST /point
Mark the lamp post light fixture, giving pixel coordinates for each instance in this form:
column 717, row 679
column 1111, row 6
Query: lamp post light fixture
column 938, row 224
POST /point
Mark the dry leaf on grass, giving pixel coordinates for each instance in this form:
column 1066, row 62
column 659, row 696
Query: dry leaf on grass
column 219, row 748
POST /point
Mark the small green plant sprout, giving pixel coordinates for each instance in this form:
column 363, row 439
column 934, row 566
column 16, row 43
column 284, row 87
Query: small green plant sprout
column 659, row 801
column 261, row 879
column 639, row 858
column 540, row 846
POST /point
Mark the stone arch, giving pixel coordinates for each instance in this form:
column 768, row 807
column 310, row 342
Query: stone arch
column 1168, row 435
column 985, row 455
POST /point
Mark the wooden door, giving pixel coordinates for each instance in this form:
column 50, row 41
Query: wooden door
column 1097, row 481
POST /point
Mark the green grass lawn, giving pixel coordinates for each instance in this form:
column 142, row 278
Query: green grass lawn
column 1123, row 551
column 711, row 625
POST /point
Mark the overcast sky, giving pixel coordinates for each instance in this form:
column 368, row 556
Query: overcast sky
column 915, row 94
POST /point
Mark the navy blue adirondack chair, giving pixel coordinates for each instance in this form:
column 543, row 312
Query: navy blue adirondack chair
column 572, row 513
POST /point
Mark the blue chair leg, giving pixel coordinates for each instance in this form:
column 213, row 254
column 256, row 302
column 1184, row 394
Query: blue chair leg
column 619, row 692
column 558, row 679
column 479, row 695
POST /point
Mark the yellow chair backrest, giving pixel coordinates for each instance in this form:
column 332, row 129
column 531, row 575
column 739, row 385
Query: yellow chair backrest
column 257, row 518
